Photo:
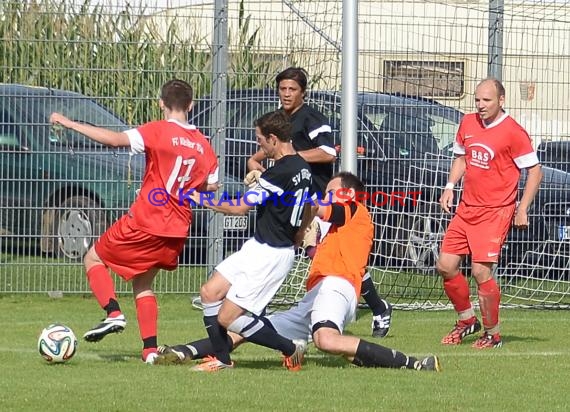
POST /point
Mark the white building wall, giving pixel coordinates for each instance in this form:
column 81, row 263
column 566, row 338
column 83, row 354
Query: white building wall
column 536, row 45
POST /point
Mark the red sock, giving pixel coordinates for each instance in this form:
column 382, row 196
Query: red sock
column 147, row 315
column 489, row 300
column 101, row 283
column 457, row 290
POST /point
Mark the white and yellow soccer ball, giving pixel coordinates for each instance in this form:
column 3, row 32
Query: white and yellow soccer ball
column 57, row 343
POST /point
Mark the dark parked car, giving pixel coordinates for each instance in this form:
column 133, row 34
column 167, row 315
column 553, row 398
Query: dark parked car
column 404, row 155
column 555, row 154
column 59, row 190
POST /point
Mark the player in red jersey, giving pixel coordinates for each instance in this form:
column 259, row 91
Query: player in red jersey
column 152, row 234
column 490, row 150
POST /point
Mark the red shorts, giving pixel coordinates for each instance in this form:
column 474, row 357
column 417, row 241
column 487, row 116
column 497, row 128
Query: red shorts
column 478, row 231
column 130, row 252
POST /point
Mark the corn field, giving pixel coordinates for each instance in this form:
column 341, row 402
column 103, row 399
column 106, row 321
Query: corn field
column 115, row 56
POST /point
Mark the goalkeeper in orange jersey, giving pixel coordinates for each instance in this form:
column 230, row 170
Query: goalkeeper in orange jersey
column 333, row 288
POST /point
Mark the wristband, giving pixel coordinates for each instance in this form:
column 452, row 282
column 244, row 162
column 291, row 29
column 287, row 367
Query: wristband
column 449, row 185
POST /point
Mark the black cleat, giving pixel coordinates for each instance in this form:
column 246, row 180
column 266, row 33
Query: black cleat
column 109, row 325
column 431, row 363
column 172, row 355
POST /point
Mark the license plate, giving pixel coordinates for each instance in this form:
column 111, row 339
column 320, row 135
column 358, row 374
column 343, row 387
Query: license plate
column 236, row 222
column 563, row 232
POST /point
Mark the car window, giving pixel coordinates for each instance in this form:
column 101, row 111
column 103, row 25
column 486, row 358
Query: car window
column 241, row 142
column 328, row 109
column 395, row 131
column 250, row 111
column 10, row 134
column 443, row 130
column 377, row 118
column 409, row 134
column 79, row 109
column 201, row 115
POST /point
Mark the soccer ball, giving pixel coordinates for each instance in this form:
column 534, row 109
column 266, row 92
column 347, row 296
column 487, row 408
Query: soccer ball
column 57, row 343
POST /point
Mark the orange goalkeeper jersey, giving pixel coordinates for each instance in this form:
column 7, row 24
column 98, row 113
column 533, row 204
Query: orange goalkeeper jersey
column 345, row 249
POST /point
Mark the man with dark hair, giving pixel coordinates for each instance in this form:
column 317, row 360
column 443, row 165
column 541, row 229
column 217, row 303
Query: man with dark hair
column 247, row 280
column 149, row 237
column 490, row 149
column 311, row 132
column 312, row 139
column 333, row 288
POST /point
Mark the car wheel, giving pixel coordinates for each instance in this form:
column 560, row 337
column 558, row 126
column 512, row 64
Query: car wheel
column 79, row 221
column 425, row 233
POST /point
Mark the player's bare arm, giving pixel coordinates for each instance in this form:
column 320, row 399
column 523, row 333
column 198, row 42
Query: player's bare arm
column 455, row 174
column 254, row 162
column 209, row 187
column 317, row 155
column 238, row 207
column 99, row 134
column 534, row 177
column 308, row 217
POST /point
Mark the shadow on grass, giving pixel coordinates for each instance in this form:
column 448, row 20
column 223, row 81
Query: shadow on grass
column 524, row 339
column 118, row 357
column 327, row 361
column 258, row 364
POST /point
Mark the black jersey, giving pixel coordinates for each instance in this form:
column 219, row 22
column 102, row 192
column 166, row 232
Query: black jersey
column 312, row 130
column 284, row 189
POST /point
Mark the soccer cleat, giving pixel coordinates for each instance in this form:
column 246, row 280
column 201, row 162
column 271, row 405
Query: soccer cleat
column 488, row 341
column 431, row 363
column 461, row 330
column 177, row 354
column 151, row 358
column 293, row 362
column 109, row 325
column 381, row 323
column 211, row 364
column 197, row 303
column 302, row 344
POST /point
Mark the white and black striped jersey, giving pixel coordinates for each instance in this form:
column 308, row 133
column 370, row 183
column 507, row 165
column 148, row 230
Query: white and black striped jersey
column 312, row 130
column 281, row 194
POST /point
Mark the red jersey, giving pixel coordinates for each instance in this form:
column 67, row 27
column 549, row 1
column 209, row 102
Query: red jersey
column 178, row 159
column 494, row 156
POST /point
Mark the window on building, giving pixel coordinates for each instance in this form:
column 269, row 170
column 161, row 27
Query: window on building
column 424, row 78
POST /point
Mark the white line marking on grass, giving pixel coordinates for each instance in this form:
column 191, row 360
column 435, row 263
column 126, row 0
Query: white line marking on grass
column 500, row 352
column 109, row 357
column 480, row 353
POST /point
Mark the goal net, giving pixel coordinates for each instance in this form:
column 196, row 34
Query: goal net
column 439, row 50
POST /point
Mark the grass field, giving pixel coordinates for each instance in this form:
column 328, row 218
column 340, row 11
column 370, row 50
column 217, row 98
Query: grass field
column 529, row 373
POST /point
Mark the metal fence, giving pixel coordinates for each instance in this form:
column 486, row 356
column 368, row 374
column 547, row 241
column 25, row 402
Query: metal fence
column 59, row 192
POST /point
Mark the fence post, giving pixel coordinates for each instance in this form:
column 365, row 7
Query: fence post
column 495, row 57
column 219, row 97
column 349, row 85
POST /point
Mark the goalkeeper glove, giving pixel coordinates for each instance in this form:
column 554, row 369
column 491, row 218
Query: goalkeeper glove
column 252, row 178
column 312, row 235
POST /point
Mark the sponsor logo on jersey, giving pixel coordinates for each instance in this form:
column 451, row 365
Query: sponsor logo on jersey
column 480, row 155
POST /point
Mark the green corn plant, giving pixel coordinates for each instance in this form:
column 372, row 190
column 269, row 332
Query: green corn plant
column 123, row 58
